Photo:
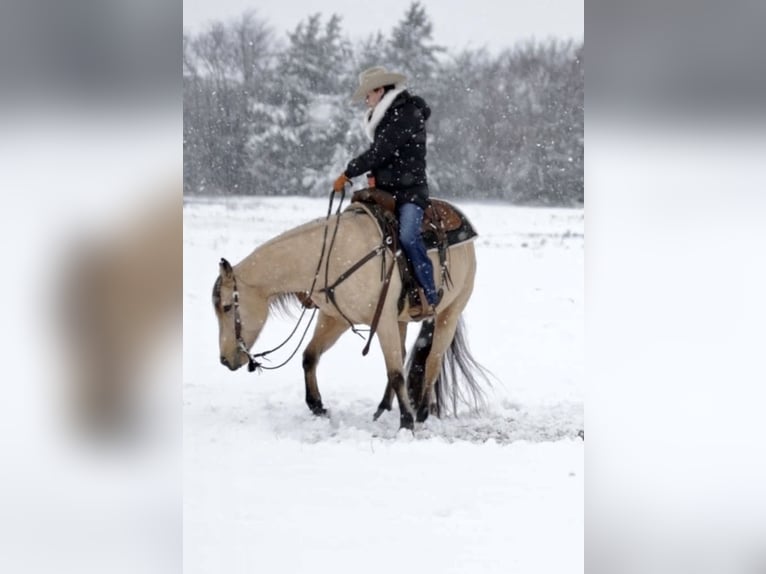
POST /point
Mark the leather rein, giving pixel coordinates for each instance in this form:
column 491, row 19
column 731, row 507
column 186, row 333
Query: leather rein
column 329, row 291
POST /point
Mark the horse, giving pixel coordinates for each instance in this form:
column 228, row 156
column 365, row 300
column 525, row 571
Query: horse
column 346, row 282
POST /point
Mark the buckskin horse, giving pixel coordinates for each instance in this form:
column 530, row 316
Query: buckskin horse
column 342, row 266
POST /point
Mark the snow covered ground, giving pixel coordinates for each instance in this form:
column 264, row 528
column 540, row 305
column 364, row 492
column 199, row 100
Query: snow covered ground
column 270, row 488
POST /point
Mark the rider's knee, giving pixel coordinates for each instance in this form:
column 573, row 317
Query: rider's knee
column 408, row 238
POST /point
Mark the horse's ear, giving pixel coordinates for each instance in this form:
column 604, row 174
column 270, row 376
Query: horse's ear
column 225, row 268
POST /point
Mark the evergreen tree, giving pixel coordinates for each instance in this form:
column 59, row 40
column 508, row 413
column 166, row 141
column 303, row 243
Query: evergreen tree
column 546, row 98
column 213, row 139
column 301, row 146
column 368, row 54
column 460, row 130
column 411, row 50
column 269, row 118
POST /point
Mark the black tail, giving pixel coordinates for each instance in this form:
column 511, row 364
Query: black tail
column 461, row 379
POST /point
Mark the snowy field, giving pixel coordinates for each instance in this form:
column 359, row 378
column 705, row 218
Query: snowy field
column 270, row 488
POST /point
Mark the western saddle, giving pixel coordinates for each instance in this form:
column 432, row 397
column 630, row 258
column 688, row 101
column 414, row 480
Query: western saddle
column 443, row 225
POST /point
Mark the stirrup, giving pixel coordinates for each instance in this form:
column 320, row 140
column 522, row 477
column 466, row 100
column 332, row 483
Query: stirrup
column 420, row 313
column 425, row 310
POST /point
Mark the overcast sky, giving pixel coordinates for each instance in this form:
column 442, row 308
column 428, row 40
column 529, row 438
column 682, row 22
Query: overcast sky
column 457, row 23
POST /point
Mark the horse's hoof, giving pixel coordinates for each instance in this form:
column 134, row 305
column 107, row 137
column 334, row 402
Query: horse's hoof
column 422, row 414
column 319, row 411
column 406, row 422
column 381, row 409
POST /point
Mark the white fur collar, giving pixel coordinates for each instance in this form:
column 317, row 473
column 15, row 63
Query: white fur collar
column 372, row 117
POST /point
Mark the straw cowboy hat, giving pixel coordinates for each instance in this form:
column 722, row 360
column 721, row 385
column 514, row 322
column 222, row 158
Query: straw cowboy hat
column 376, row 77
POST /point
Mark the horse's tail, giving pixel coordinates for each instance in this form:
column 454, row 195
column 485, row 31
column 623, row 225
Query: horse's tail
column 461, row 378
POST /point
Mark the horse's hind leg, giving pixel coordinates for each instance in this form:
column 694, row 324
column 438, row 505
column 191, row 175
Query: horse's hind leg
column 443, row 333
column 390, row 343
column 328, row 330
column 417, row 369
column 388, row 396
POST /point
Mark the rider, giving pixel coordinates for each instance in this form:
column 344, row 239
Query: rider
column 395, row 123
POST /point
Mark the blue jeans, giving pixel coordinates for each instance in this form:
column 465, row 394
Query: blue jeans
column 410, row 220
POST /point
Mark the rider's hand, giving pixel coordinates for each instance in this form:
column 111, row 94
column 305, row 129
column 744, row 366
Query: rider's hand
column 340, row 183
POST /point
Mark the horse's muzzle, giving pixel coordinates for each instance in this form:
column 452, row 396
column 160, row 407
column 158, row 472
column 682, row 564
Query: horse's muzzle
column 225, row 363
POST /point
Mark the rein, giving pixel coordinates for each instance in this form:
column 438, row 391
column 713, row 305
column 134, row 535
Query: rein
column 329, row 291
column 253, row 363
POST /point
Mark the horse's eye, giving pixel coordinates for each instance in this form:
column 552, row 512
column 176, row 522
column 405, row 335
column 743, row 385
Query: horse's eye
column 226, row 308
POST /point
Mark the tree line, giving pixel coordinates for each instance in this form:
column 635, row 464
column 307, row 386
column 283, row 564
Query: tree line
column 270, row 116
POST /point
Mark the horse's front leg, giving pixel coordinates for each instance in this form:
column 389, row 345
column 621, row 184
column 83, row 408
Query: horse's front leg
column 388, row 395
column 328, row 330
column 390, row 343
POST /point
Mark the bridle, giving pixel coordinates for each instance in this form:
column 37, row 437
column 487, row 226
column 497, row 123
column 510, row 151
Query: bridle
column 253, row 363
column 329, row 291
column 252, row 359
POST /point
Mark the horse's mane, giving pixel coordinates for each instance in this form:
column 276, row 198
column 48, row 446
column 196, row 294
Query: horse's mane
column 284, row 304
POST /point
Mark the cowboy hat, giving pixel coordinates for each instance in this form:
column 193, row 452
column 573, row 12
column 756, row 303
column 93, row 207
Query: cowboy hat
column 374, row 78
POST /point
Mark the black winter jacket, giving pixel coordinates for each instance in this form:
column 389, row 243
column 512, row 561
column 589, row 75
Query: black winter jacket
column 397, row 157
